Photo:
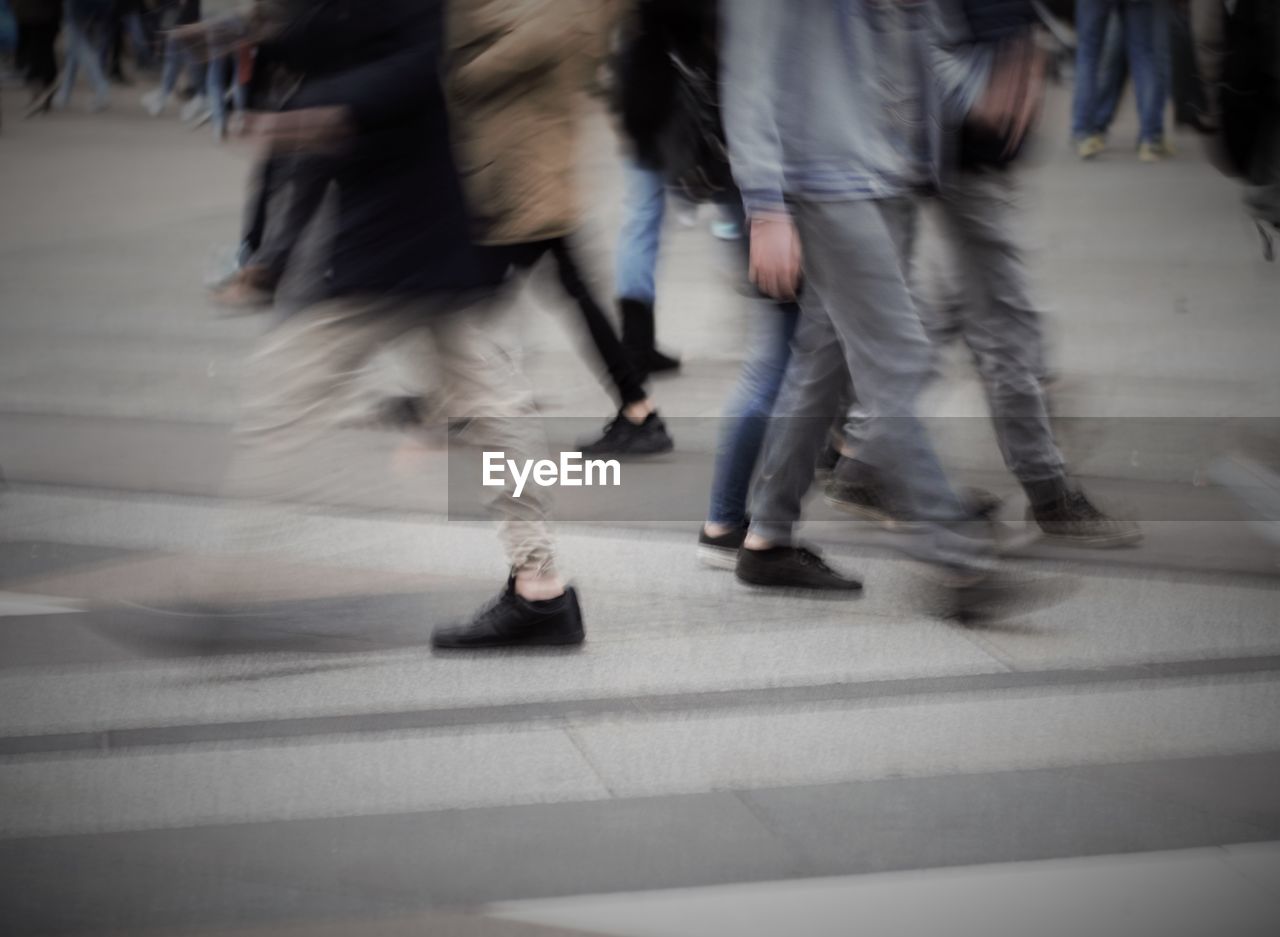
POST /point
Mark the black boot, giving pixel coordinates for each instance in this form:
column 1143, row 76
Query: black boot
column 638, row 339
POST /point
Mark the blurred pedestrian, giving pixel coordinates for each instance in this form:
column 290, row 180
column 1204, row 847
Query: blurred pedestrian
column 401, row 261
column 517, row 72
column 176, row 57
column 85, row 24
column 976, row 199
column 1139, row 22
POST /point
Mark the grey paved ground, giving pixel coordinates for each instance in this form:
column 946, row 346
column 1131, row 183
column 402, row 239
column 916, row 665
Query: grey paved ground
column 193, row 738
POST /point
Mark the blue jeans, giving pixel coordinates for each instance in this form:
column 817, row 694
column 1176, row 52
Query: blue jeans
column 641, row 234
column 1114, row 67
column 1138, row 19
column 223, row 68
column 746, row 417
column 81, row 51
column 175, row 57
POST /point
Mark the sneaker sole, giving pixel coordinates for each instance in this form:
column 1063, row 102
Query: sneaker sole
column 718, row 557
column 1094, row 543
column 808, row 592
column 567, row 641
column 875, row 516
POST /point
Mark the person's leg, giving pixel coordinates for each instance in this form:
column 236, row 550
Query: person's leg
column 1139, row 29
column 815, row 376
column 298, row 187
column 71, row 66
column 636, row 267
column 644, row 207
column 1162, row 51
column 1091, row 29
column 138, row 39
column 483, row 384
column 216, row 71
column 1113, row 72
column 1001, row 325
column 746, row 417
column 299, row 380
column 626, row 382
column 856, row 256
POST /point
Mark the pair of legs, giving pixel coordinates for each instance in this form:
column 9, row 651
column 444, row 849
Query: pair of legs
column 176, row 57
column 288, row 191
column 1113, row 67
column 995, row 317
column 307, row 368
column 1138, row 24
column 83, row 51
column 858, row 318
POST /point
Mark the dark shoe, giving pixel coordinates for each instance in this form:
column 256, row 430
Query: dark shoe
column 1073, row 519
column 622, row 437
column 510, row 621
column 869, row 502
column 721, row 552
column 791, row 568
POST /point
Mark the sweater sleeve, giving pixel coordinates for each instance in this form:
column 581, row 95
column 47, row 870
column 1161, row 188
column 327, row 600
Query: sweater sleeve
column 753, row 30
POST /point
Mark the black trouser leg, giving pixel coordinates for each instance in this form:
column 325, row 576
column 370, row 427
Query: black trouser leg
column 616, row 360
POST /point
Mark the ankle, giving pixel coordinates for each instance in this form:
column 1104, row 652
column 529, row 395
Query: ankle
column 639, row 411
column 756, row 542
column 536, row 586
column 712, row 529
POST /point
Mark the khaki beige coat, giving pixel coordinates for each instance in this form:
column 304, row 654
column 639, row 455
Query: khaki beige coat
column 517, row 69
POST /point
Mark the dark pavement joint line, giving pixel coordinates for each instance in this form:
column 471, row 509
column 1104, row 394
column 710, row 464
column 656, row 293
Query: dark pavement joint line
column 516, row 713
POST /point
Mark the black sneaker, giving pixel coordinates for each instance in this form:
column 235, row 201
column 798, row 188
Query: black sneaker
column 869, row 503
column 510, row 621
column 622, row 437
column 791, row 568
column 1073, row 519
column 721, row 552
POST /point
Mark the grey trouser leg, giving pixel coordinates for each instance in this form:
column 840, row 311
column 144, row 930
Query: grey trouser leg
column 858, row 318
column 306, row 368
column 998, row 321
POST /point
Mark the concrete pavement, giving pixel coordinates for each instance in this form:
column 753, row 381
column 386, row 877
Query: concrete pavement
column 195, row 739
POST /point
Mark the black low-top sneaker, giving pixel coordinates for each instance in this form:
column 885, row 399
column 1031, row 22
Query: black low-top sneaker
column 1074, row 520
column 623, row 437
column 791, row 568
column 511, row 621
column 721, row 552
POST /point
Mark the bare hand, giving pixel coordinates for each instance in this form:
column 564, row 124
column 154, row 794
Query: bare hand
column 1014, row 93
column 775, row 257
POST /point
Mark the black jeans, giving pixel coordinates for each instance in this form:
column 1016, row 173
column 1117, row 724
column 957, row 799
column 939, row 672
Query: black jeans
column 607, row 344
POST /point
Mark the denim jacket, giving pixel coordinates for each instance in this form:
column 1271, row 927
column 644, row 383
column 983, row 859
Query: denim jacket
column 837, row 100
